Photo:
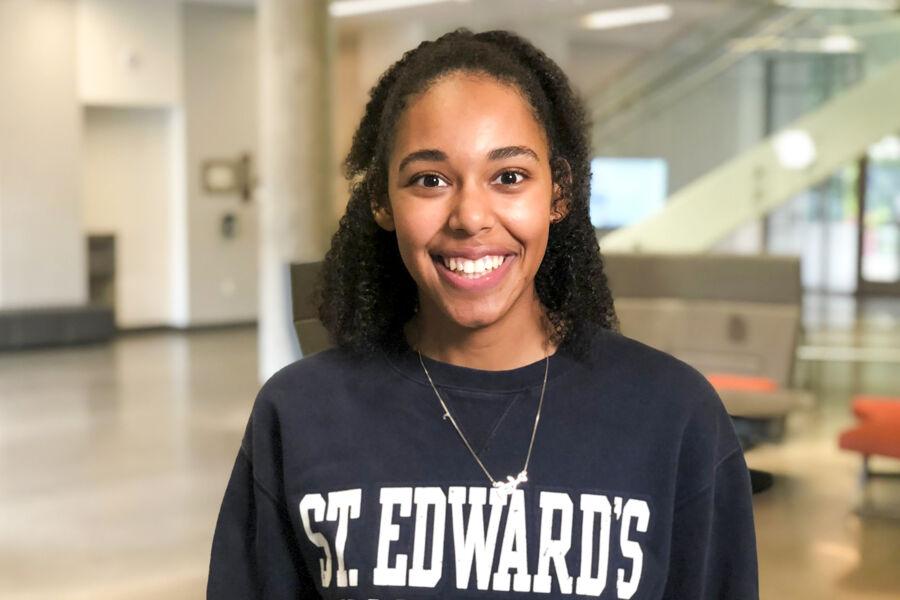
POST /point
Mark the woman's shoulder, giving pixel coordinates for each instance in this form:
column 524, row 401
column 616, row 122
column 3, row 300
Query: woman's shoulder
column 646, row 374
column 640, row 361
column 304, row 392
column 662, row 391
column 317, row 371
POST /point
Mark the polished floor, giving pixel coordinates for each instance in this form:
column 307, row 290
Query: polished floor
column 113, row 460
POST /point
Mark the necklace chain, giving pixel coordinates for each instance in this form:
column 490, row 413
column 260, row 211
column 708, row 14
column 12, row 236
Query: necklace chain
column 511, row 483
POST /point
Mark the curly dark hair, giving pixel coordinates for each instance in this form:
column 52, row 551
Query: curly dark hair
column 366, row 295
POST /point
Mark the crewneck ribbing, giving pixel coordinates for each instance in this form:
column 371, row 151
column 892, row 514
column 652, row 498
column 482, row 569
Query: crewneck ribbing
column 450, row 376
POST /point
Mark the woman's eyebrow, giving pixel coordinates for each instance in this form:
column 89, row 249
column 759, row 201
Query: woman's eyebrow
column 430, row 155
column 511, row 151
column 435, row 155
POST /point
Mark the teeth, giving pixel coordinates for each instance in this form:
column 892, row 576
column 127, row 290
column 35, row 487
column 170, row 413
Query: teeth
column 473, row 268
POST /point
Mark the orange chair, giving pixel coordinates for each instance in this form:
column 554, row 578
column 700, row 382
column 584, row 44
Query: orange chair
column 744, row 383
column 878, row 430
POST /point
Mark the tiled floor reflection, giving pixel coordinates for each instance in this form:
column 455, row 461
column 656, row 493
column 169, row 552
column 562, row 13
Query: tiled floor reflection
column 811, row 543
column 113, row 461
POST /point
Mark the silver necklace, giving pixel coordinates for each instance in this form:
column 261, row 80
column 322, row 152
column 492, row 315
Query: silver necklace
column 505, row 487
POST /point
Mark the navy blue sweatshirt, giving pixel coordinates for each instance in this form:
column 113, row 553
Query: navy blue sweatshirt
column 350, row 484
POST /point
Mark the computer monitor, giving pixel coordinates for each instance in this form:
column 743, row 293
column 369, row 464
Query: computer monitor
column 626, row 190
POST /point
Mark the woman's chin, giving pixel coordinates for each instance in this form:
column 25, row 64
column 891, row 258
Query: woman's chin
column 477, row 319
column 471, row 313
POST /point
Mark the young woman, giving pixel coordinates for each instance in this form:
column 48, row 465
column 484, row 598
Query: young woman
column 481, row 429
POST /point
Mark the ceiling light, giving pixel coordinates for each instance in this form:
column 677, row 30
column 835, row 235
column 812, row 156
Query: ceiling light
column 795, row 149
column 841, row 4
column 623, row 17
column 838, row 43
column 352, row 8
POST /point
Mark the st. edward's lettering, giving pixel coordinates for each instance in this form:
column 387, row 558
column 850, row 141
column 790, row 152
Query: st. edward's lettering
column 489, row 538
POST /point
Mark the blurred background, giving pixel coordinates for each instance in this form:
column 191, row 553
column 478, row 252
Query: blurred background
column 169, row 175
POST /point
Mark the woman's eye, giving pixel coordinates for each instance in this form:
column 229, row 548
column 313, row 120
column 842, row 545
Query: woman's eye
column 510, row 178
column 430, row 180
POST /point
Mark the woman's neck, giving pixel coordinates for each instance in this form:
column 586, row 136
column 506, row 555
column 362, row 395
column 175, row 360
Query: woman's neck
column 518, row 339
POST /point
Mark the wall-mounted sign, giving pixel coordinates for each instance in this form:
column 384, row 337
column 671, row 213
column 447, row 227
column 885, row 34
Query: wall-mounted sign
column 222, row 176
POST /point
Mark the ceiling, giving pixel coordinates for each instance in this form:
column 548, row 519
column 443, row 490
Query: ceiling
column 591, row 58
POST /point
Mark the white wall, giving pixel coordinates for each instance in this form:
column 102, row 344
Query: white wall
column 220, row 93
column 127, row 177
column 129, row 81
column 42, row 250
column 129, row 52
column 191, row 96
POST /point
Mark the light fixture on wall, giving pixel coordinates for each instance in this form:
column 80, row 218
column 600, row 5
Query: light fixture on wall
column 219, row 176
column 625, row 17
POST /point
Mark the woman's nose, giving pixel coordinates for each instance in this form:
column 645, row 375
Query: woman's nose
column 472, row 211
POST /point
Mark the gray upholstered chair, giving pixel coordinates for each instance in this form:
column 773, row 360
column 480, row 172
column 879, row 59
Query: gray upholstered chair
column 311, row 335
column 730, row 316
column 735, row 318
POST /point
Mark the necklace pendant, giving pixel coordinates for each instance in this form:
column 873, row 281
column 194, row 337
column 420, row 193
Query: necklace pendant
column 511, row 484
column 504, row 488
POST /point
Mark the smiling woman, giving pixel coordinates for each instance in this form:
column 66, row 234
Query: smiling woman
column 460, row 205
column 468, row 127
column 480, row 403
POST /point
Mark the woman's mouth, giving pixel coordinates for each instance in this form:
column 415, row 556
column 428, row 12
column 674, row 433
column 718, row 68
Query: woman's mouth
column 473, row 269
column 473, row 273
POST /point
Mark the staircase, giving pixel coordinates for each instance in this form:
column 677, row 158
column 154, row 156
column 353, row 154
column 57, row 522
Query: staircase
column 742, row 179
column 753, row 183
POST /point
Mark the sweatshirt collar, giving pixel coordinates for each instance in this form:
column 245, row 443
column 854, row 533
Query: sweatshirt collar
column 450, row 376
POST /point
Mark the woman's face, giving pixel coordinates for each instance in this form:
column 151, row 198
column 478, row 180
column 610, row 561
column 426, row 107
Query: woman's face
column 470, row 195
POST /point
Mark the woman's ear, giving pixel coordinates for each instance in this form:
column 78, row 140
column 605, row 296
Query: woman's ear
column 562, row 184
column 559, row 208
column 381, row 211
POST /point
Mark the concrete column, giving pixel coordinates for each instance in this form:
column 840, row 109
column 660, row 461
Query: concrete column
column 362, row 55
column 295, row 161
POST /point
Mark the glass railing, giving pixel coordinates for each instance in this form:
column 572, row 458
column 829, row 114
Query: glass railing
column 846, row 228
column 709, row 96
column 701, row 110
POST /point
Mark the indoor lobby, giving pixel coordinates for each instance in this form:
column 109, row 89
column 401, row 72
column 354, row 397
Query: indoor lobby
column 170, row 181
